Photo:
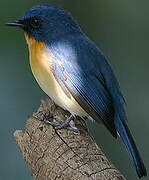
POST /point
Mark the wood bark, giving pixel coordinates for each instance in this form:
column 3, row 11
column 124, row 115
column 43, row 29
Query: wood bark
column 61, row 154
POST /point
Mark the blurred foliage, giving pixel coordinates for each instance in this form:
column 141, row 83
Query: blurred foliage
column 121, row 30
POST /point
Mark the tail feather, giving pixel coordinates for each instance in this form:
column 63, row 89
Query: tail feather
column 127, row 138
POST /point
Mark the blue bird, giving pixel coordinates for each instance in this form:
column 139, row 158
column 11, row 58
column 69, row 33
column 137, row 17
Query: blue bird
column 74, row 72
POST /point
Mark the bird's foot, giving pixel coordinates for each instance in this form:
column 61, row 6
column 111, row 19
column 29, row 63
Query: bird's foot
column 69, row 124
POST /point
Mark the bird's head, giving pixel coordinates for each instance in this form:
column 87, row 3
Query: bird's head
column 46, row 22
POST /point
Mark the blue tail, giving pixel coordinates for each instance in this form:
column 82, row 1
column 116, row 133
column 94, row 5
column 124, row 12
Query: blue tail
column 123, row 130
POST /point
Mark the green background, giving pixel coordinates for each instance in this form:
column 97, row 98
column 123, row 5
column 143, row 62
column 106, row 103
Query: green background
column 121, row 29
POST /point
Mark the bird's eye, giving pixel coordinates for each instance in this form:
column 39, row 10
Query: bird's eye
column 35, row 23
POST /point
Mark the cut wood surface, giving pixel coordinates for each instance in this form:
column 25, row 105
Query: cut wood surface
column 61, row 154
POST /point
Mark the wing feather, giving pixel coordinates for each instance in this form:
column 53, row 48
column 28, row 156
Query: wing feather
column 85, row 72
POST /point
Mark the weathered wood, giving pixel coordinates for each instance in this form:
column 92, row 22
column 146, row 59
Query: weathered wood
column 61, row 154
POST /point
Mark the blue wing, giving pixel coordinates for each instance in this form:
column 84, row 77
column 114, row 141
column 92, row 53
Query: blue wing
column 85, row 72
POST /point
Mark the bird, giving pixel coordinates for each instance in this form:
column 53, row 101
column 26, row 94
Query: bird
column 75, row 74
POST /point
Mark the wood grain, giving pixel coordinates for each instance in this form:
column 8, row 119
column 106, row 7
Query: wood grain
column 61, row 154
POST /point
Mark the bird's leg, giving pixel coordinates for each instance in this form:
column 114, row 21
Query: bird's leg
column 72, row 127
column 69, row 122
column 50, row 122
column 64, row 124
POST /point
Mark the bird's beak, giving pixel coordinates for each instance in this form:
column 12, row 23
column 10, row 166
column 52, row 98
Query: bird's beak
column 18, row 23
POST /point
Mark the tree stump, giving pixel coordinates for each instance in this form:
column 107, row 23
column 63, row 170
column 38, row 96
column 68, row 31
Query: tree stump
column 62, row 154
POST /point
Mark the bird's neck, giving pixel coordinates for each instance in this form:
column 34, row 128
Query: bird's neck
column 39, row 55
column 36, row 50
column 32, row 42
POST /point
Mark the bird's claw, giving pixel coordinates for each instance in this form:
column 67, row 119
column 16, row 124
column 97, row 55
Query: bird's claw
column 69, row 124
